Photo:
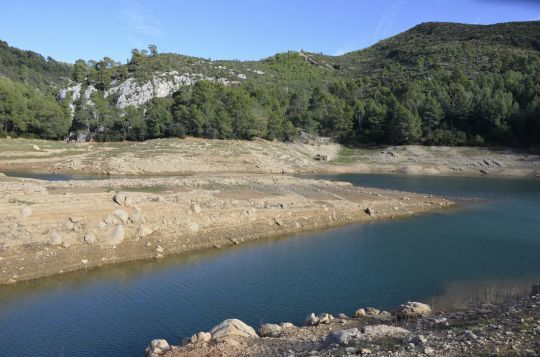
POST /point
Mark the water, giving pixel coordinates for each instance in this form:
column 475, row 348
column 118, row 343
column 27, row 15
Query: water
column 116, row 311
column 53, row 176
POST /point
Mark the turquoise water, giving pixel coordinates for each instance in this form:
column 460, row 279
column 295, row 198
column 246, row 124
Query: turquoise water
column 117, row 310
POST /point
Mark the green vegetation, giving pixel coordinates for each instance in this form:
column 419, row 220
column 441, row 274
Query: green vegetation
column 436, row 84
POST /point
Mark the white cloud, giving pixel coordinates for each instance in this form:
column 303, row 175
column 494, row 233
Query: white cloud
column 141, row 19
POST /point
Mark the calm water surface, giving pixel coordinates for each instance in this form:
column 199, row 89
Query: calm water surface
column 116, row 311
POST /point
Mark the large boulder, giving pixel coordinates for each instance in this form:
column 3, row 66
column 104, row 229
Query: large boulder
column 117, row 235
column 270, row 330
column 348, row 337
column 232, row 329
column 314, row 320
column 201, row 337
column 156, row 348
column 412, row 309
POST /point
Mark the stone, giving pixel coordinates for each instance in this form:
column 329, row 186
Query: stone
column 193, row 227
column 429, row 351
column 286, row 325
column 102, row 225
column 196, row 208
column 137, row 218
column 157, row 347
column 159, row 249
column 384, row 315
column 371, row 311
column 231, row 329
column 26, row 212
column 56, row 238
column 360, row 313
column 376, row 331
column 84, row 261
column 117, row 235
column 342, row 316
column 122, row 215
column 419, row 340
column 313, row 320
column 66, row 245
column 120, row 198
column 75, row 219
column 201, row 337
column 144, row 231
column 35, row 147
column 370, row 211
column 343, row 337
column 269, row 330
column 412, row 310
column 90, row 238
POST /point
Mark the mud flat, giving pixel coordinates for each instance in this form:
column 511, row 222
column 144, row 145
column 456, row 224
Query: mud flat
column 49, row 228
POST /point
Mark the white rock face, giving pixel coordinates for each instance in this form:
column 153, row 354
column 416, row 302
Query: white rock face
column 156, row 348
column 134, row 93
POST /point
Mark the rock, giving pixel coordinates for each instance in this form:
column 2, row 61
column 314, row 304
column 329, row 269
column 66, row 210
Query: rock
column 278, row 222
column 102, row 225
column 56, row 238
column 376, row 331
column 419, row 340
column 429, row 351
column 35, row 147
column 156, row 347
column 360, row 313
column 269, row 330
column 231, row 329
column 384, row 315
column 122, row 215
column 201, row 337
column 84, row 261
column 26, row 212
column 66, row 245
column 196, row 208
column 137, row 218
column 193, row 227
column 75, row 219
column 342, row 316
column 90, row 238
column 120, row 198
column 286, row 325
column 343, row 337
column 117, row 235
column 312, row 320
column 371, row 311
column 159, row 249
column 144, row 231
column 412, row 310
column 370, row 211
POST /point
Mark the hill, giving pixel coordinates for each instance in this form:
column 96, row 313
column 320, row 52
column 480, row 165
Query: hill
column 437, row 84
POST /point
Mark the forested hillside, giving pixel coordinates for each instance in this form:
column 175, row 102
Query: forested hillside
column 436, row 84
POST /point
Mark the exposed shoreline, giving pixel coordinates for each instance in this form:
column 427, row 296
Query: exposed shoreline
column 49, row 228
column 509, row 327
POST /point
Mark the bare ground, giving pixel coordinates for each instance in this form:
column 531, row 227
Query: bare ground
column 45, row 226
column 191, row 156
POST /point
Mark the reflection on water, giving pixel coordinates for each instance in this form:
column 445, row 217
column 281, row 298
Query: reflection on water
column 115, row 311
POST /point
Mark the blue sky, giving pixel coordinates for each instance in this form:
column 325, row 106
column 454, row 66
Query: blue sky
column 231, row 29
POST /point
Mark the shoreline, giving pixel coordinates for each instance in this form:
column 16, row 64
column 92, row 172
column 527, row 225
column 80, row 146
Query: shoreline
column 71, row 225
column 511, row 326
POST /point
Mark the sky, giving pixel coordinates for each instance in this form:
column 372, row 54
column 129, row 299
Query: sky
column 231, row 29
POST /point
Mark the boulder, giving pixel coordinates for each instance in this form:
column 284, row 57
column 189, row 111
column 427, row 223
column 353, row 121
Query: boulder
column 117, row 235
column 343, row 337
column 144, row 231
column 122, row 215
column 90, row 238
column 56, row 238
column 360, row 313
column 196, row 208
column 370, row 211
column 270, row 330
column 200, row 337
column 384, row 315
column 286, row 325
column 371, row 311
column 26, row 212
column 193, row 227
column 314, row 320
column 412, row 310
column 232, row 329
column 35, row 147
column 120, row 198
column 377, row 331
column 157, row 347
column 137, row 218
